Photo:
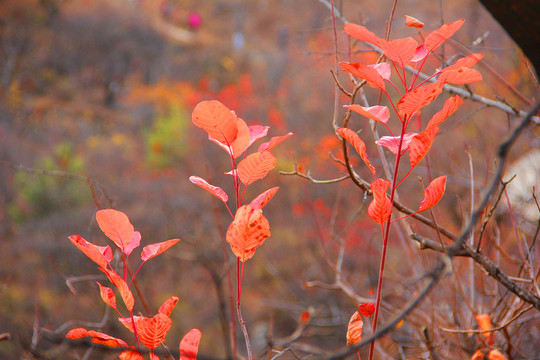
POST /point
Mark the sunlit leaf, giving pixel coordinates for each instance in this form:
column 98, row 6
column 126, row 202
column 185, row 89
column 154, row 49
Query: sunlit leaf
column 484, row 321
column 392, row 142
column 274, row 141
column 256, row 132
column 167, row 307
column 264, row 198
column 217, row 120
column 240, row 144
column 152, row 331
column 495, row 354
column 256, row 166
column 420, row 144
column 400, row 51
column 101, row 255
column 433, row 193
column 362, row 71
column 360, row 147
column 383, row 69
column 214, row 190
column 460, row 76
column 247, row 232
column 107, row 295
column 97, row 337
column 355, row 328
column 189, row 345
column 115, row 224
column 450, row 106
column 122, row 287
column 363, row 34
column 128, row 322
column 366, row 309
column 415, row 100
column 133, row 244
column 378, row 113
column 130, row 355
column 420, row 53
column 380, row 207
column 154, row 250
column 445, row 32
column 413, row 22
column 467, row 62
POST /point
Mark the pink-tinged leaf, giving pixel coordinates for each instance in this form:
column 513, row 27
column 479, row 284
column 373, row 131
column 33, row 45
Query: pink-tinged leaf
column 256, row 132
column 400, row 51
column 363, row 34
column 115, row 224
column 214, row 190
column 233, row 173
column 383, row 69
column 366, row 309
column 420, row 144
column 380, row 207
column 154, row 250
column 415, row 100
column 392, row 142
column 97, row 337
column 130, row 355
column 467, row 62
column 128, row 322
column 264, row 198
column 378, row 113
column 433, row 193
column 189, row 345
column 107, row 295
column 167, row 307
column 360, row 147
column 459, row 76
column 256, row 166
column 247, row 232
column 445, row 32
column 355, row 328
column 362, row 71
column 275, row 141
column 240, row 144
column 135, row 242
column 450, row 106
column 420, row 53
column 101, row 255
column 217, row 120
column 413, row 22
column 152, row 331
column 122, row 287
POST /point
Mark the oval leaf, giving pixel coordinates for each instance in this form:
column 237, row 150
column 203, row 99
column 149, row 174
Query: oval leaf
column 122, row 287
column 247, row 232
column 128, row 322
column 97, row 337
column 383, row 69
column 101, row 255
column 420, row 144
column 378, row 113
column 115, row 224
column 264, row 198
column 433, row 193
column 363, row 34
column 152, row 331
column 134, row 243
column 392, row 142
column 168, row 306
column 467, row 62
column 255, row 166
column 362, row 71
column 380, row 207
column 415, row 100
column 256, row 132
column 353, row 138
column 460, row 76
column 107, row 294
column 217, row 120
column 214, row 190
column 445, row 32
column 189, row 345
column 154, row 250
column 355, row 328
column 400, row 51
column 450, row 106
column 275, row 141
column 366, row 309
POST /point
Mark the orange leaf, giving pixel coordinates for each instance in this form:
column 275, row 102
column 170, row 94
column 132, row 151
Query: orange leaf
column 130, row 355
column 467, row 62
column 478, row 355
column 363, row 34
column 115, row 224
column 400, row 51
column 415, row 100
column 460, row 76
column 152, row 331
column 383, row 69
column 214, row 190
column 355, row 328
column 353, row 138
column 256, row 132
column 495, row 354
column 362, row 71
column 122, row 287
column 264, row 198
column 97, row 337
column 240, row 143
column 450, row 106
column 101, row 255
column 153, row 250
column 128, row 322
column 255, row 166
column 107, row 294
column 133, row 244
column 189, row 345
column 217, row 120
column 433, row 193
column 484, row 321
column 445, row 32
column 413, row 22
column 378, row 113
column 380, row 208
column 274, row 141
column 420, row 144
column 168, row 306
column 366, row 309
column 247, row 232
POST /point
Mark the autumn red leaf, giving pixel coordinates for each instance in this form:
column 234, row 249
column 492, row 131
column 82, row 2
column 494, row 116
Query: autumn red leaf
column 360, row 147
column 467, row 62
column 97, row 337
column 256, row 166
column 495, row 354
column 152, row 331
column 366, row 309
column 189, row 345
column 130, row 355
column 122, row 287
column 413, row 22
column 264, row 198
column 383, row 69
column 256, row 132
column 240, row 144
column 101, row 255
column 380, row 207
column 400, row 51
column 460, row 76
column 392, row 142
column 154, row 250
column 362, row 71
column 355, row 328
column 363, row 34
column 450, row 106
column 167, row 307
column 484, row 321
column 420, row 144
column 247, row 232
column 433, row 193
column 107, row 294
column 274, row 141
column 133, row 244
column 128, row 322
column 445, row 32
column 420, row 53
column 214, row 190
column 378, row 113
column 415, row 100
column 115, row 224
column 478, row 355
column 217, row 120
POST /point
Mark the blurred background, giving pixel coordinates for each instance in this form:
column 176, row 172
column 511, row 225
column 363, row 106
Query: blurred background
column 104, row 89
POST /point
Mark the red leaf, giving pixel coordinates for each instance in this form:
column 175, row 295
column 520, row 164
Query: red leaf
column 420, row 144
column 214, row 190
column 240, row 144
column 353, row 138
column 433, row 193
column 264, row 198
column 217, row 120
column 101, row 255
column 256, row 132
column 134, row 243
column 400, row 51
column 366, row 309
column 247, row 232
column 362, row 71
column 380, row 208
column 484, row 321
column 460, row 76
column 189, row 345
column 383, row 69
column 115, row 224
column 378, row 113
column 154, row 250
column 392, row 142
column 413, row 22
column 450, row 106
column 445, row 32
column 130, row 355
column 467, row 62
column 107, row 294
column 97, row 337
column 495, row 354
column 420, row 53
column 355, row 328
column 122, row 287
column 128, row 322
column 275, row 141
column 363, row 34
column 152, row 331
column 255, row 166
column 168, row 306
column 415, row 100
